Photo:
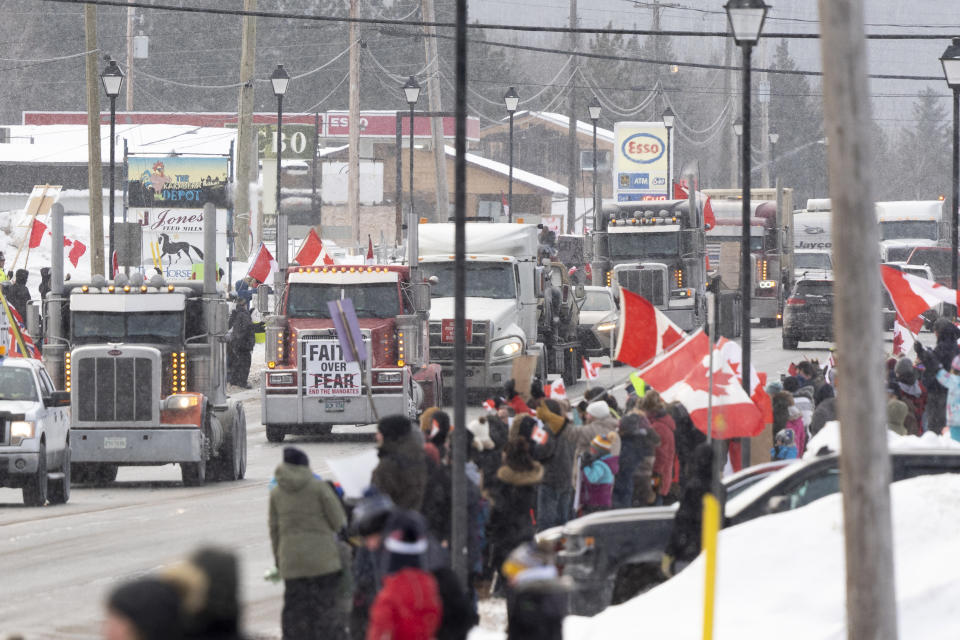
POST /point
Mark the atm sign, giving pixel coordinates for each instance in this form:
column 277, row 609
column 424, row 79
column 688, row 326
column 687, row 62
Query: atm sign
column 643, row 148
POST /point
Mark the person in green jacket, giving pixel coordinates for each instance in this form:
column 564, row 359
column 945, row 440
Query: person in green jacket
column 305, row 519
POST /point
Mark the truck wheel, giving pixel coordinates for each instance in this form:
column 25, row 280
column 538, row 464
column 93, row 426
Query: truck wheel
column 35, row 491
column 275, row 433
column 60, row 488
column 789, row 343
column 106, row 473
column 231, row 465
column 193, row 474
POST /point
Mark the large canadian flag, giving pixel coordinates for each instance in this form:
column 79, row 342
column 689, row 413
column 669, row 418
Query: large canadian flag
column 643, row 331
column 733, row 354
column 312, row 252
column 263, row 266
column 903, row 339
column 683, row 375
column 911, row 296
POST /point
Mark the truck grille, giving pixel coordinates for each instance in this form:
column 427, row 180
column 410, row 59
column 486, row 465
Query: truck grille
column 442, row 352
column 645, row 282
column 114, row 389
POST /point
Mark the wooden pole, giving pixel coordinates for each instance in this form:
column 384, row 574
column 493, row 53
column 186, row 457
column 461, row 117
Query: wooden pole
column 246, row 136
column 94, row 161
column 864, row 459
column 353, row 153
column 436, row 104
column 572, row 149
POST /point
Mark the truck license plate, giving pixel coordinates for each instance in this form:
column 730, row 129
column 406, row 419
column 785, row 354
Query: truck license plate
column 114, row 443
column 333, row 405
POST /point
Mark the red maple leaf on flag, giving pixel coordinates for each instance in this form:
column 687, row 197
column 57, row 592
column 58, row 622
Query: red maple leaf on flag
column 699, row 379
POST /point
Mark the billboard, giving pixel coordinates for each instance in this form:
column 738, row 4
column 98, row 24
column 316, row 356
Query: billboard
column 173, row 240
column 177, row 182
column 641, row 161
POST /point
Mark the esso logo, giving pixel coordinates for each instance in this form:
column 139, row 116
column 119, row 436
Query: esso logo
column 339, row 122
column 643, row 148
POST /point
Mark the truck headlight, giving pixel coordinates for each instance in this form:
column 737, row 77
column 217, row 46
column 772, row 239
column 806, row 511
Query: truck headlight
column 508, row 349
column 284, row 379
column 175, row 402
column 767, row 284
column 606, row 326
column 21, row 430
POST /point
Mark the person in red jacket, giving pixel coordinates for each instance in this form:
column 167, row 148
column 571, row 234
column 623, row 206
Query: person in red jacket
column 662, row 423
column 408, row 606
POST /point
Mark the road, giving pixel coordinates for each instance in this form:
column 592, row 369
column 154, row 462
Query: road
column 58, row 563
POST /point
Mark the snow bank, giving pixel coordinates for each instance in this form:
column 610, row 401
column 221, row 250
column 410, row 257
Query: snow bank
column 783, row 576
column 829, row 437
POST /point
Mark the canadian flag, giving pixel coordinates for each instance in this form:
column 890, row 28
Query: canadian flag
column 643, row 331
column 312, row 251
column 911, row 296
column 77, row 249
column 263, row 265
column 556, row 390
column 370, row 257
column 733, row 354
column 37, row 230
column 591, row 370
column 489, row 405
column 681, row 192
column 682, row 375
column 903, row 339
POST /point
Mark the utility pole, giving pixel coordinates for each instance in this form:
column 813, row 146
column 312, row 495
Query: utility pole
column 131, row 14
column 246, row 136
column 94, row 162
column 436, row 104
column 864, row 458
column 353, row 155
column 729, row 138
column 572, row 149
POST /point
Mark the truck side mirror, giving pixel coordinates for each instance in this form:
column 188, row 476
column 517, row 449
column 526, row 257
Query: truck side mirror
column 580, row 292
column 538, row 282
column 263, row 299
column 33, row 320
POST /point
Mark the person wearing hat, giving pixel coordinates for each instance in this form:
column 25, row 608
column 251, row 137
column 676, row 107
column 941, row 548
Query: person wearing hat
column 408, row 607
column 144, row 609
column 665, row 452
column 18, row 295
column 208, row 583
column 598, row 470
column 367, row 521
column 951, row 382
column 905, row 386
column 555, row 494
column 783, row 446
column 401, row 472
column 897, row 411
column 240, row 344
column 305, row 518
column 599, row 421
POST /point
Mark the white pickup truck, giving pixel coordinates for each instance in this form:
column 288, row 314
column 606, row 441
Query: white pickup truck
column 34, row 432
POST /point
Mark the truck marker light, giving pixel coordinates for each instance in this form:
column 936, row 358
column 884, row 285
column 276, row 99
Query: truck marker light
column 271, row 365
column 126, row 288
column 111, row 288
column 399, row 363
column 85, row 288
column 143, row 288
column 423, row 221
column 170, row 288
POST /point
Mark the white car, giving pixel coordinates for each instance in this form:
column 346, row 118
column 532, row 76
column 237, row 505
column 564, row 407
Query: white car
column 598, row 321
column 35, row 432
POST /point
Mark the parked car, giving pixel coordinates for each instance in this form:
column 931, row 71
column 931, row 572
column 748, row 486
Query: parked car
column 35, row 432
column 612, row 556
column 598, row 321
column 808, row 314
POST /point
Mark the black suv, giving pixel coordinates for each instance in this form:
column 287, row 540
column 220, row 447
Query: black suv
column 613, row 555
column 808, row 314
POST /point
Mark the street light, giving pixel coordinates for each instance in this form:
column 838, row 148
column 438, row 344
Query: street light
column 594, row 109
column 668, row 120
column 951, row 70
column 280, row 79
column 746, row 20
column 773, row 137
column 411, row 91
column 511, row 99
column 112, row 79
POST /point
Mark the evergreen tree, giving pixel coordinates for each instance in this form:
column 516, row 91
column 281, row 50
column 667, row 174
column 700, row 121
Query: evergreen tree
column 924, row 150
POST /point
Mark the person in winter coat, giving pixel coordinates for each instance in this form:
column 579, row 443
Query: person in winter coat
column 18, row 295
column 826, row 410
column 781, row 401
column 599, row 422
column 367, row 521
column 951, row 382
column 408, row 607
column 537, row 598
column 487, row 452
column 401, row 472
column 513, row 499
column 44, row 287
column 305, row 519
column 686, row 438
column 783, row 446
column 598, row 469
column 514, row 399
column 803, row 401
column 242, row 340
column 208, row 583
column 896, row 412
column 795, row 424
column 437, row 494
column 665, row 453
column 555, row 493
column 935, row 411
column 684, row 544
column 144, row 609
column 905, row 384
column 634, row 433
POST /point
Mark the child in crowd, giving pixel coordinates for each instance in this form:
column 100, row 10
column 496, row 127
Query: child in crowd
column 784, row 447
column 599, row 468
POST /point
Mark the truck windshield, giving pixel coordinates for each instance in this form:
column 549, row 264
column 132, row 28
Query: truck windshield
column 643, row 245
column 897, row 229
column 812, row 261
column 16, row 383
column 91, row 326
column 756, row 242
column 484, row 279
column 379, row 300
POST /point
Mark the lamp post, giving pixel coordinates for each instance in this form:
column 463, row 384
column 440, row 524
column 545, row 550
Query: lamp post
column 951, row 70
column 411, row 91
column 112, row 79
column 594, row 109
column 746, row 20
column 511, row 99
column 773, row 137
column 280, row 79
column 668, row 120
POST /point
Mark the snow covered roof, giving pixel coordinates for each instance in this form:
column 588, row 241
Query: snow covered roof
column 563, row 121
column 68, row 143
column 519, row 175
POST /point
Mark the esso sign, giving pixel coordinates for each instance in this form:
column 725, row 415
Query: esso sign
column 643, row 148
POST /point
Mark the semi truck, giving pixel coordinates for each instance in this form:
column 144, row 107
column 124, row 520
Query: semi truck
column 771, row 250
column 514, row 306
column 144, row 363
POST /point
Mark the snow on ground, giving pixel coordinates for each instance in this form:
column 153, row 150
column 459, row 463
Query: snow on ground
column 829, row 437
column 783, row 575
